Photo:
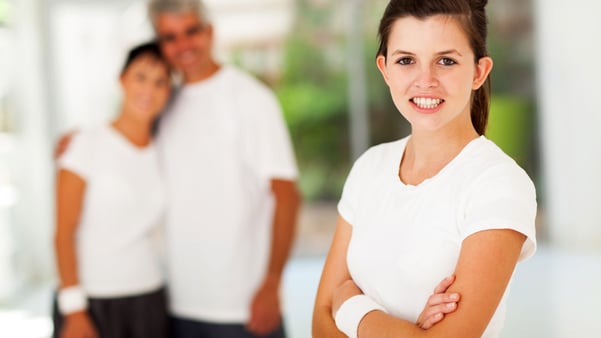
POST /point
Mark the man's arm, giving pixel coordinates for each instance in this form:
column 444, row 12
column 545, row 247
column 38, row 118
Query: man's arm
column 265, row 309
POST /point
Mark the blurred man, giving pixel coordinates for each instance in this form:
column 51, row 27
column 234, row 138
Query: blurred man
column 230, row 173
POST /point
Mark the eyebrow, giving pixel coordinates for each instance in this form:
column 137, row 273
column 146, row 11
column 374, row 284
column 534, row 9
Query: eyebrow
column 444, row 52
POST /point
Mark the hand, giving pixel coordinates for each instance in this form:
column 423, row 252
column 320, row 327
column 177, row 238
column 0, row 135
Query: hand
column 78, row 325
column 265, row 314
column 63, row 144
column 343, row 292
column 439, row 304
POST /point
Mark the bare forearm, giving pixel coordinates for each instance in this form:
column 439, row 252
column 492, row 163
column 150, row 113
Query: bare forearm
column 69, row 198
column 66, row 259
column 377, row 324
column 284, row 225
column 324, row 325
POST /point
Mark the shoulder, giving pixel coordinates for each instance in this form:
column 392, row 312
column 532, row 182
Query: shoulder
column 93, row 135
column 244, row 84
column 380, row 156
column 489, row 165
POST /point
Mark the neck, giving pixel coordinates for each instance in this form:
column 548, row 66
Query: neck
column 427, row 153
column 136, row 131
column 201, row 74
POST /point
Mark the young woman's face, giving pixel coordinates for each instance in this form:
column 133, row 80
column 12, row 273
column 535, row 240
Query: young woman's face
column 146, row 88
column 431, row 72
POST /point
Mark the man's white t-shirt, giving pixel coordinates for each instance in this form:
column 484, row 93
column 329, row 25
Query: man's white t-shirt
column 221, row 143
column 407, row 238
column 123, row 205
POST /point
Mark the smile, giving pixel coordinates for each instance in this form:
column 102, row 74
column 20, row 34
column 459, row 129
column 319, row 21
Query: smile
column 426, row 102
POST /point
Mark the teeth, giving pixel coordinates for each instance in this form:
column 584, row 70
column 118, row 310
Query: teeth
column 426, row 103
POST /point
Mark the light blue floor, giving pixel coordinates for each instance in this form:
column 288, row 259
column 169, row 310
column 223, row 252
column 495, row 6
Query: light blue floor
column 555, row 294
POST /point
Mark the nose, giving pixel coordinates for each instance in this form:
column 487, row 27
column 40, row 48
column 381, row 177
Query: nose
column 426, row 77
column 182, row 42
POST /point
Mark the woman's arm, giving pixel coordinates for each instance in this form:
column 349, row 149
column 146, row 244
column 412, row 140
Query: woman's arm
column 334, row 273
column 335, row 280
column 70, row 190
column 486, row 263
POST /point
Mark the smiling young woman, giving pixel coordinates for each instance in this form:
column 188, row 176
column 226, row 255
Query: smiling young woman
column 443, row 201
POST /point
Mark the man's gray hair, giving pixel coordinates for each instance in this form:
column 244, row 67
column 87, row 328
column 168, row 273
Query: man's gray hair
column 156, row 7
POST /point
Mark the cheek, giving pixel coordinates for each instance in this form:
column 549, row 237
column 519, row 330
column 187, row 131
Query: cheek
column 161, row 96
column 169, row 51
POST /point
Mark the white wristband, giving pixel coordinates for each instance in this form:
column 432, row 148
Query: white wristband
column 351, row 312
column 71, row 299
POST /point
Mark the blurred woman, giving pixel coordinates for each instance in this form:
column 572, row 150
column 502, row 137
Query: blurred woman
column 110, row 202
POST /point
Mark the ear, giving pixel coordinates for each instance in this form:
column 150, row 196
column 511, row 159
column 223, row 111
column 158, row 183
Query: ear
column 381, row 63
column 483, row 68
column 121, row 79
column 209, row 31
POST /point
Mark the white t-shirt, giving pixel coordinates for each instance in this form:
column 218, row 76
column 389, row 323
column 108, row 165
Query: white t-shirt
column 122, row 207
column 407, row 238
column 221, row 143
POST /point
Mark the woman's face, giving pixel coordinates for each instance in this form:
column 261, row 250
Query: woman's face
column 146, row 87
column 431, row 72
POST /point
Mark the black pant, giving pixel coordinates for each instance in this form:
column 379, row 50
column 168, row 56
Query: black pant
column 186, row 328
column 139, row 316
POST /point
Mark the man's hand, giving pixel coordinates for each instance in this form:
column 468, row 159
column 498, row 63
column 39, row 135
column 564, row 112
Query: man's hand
column 63, row 144
column 439, row 304
column 78, row 325
column 265, row 313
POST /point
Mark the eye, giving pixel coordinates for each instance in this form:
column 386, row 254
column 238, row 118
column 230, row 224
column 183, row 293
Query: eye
column 140, row 77
column 167, row 38
column 191, row 31
column 447, row 62
column 405, row 61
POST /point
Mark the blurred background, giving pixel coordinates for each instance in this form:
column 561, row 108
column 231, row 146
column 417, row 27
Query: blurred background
column 59, row 65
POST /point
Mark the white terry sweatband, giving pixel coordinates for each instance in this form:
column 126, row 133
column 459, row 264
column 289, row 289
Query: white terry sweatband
column 351, row 312
column 71, row 299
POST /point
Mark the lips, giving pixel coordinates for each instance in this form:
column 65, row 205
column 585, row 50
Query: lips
column 186, row 57
column 426, row 102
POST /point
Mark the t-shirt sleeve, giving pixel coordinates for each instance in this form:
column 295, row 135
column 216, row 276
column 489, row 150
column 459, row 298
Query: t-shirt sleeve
column 268, row 142
column 76, row 156
column 504, row 197
column 351, row 192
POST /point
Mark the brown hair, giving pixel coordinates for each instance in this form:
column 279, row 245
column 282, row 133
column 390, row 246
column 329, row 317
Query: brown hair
column 148, row 49
column 471, row 16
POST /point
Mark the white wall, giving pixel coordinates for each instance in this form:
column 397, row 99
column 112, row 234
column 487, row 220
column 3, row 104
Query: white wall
column 569, row 82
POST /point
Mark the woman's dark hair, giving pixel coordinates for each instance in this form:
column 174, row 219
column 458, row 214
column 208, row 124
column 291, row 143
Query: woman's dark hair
column 148, row 49
column 152, row 50
column 471, row 16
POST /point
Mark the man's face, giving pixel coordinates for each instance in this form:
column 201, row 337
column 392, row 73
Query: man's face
column 186, row 43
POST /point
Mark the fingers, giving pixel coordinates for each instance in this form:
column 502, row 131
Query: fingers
column 442, row 298
column 439, row 304
column 435, row 314
column 262, row 327
column 444, row 284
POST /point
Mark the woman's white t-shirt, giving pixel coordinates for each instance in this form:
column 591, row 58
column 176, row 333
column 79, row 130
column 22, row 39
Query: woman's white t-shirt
column 122, row 207
column 407, row 238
